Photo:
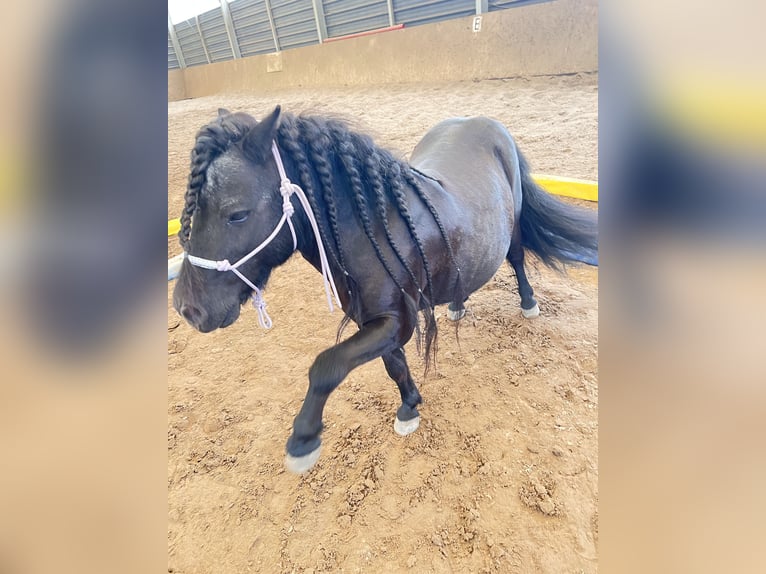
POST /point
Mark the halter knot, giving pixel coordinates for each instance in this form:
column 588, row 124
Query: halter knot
column 260, row 305
column 287, row 190
column 223, row 265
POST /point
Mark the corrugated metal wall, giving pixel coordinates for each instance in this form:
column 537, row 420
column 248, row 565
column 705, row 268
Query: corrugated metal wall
column 503, row 4
column 251, row 26
column 352, row 16
column 190, row 43
column 172, row 58
column 415, row 12
column 295, row 24
column 214, row 32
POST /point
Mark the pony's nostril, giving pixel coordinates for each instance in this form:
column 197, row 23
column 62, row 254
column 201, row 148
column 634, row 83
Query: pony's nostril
column 191, row 314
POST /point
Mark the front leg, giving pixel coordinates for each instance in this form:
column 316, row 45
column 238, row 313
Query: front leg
column 375, row 338
column 407, row 417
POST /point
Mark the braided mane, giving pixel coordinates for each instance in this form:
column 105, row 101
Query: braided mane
column 211, row 141
column 374, row 179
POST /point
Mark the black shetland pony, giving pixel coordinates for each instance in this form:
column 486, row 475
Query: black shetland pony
column 400, row 238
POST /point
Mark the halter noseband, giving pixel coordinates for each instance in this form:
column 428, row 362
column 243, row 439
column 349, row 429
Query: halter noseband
column 286, row 188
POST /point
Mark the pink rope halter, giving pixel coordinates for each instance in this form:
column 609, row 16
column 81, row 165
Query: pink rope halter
column 286, row 188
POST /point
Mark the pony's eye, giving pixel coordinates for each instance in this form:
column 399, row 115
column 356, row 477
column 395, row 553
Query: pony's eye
column 239, row 216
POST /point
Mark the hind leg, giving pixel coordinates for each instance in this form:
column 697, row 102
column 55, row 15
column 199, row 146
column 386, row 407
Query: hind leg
column 407, row 417
column 529, row 307
column 454, row 312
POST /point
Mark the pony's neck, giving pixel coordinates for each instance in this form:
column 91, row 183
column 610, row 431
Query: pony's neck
column 307, row 245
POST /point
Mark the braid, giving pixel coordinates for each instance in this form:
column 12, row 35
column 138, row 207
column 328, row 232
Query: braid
column 290, row 137
column 458, row 296
column 200, row 160
column 318, row 146
column 415, row 184
column 210, row 141
column 190, row 201
column 371, row 163
column 395, row 184
column 345, row 152
column 318, row 142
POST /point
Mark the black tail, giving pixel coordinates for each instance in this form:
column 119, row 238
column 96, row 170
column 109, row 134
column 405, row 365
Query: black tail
column 555, row 231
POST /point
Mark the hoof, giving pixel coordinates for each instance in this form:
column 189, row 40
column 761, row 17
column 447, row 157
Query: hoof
column 456, row 315
column 301, row 464
column 403, row 428
column 530, row 313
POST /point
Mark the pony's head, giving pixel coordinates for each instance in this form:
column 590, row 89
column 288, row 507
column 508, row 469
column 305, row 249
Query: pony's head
column 233, row 197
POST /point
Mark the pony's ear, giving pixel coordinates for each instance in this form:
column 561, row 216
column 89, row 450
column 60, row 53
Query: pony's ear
column 223, row 112
column 257, row 142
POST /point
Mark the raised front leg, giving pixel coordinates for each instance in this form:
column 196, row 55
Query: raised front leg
column 407, row 417
column 374, row 339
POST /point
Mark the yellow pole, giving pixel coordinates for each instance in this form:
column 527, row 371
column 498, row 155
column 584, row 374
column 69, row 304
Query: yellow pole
column 174, row 226
column 567, row 186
